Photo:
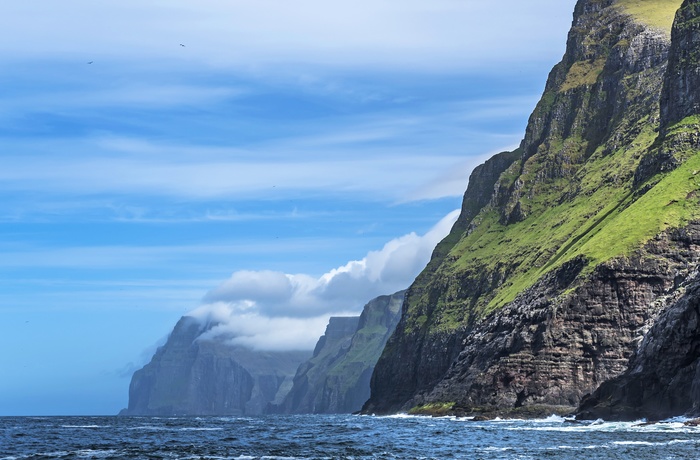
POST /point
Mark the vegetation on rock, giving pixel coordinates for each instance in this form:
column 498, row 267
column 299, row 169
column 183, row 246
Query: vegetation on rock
column 656, row 13
column 602, row 173
column 336, row 378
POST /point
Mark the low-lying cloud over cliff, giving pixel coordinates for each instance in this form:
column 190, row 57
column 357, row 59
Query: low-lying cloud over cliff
column 271, row 310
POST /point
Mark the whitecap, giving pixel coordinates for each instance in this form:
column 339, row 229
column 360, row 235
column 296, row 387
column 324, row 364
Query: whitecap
column 636, row 443
column 680, row 441
column 194, row 428
column 597, row 426
column 495, row 449
column 230, row 419
column 402, row 415
column 60, row 453
column 551, row 419
column 280, row 458
column 89, row 453
column 82, row 426
column 150, row 428
column 680, row 419
column 199, row 457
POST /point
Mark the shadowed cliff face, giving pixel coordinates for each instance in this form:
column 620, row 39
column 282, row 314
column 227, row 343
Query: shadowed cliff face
column 544, row 291
column 336, row 378
column 197, row 377
column 544, row 351
column 680, row 99
column 681, row 94
column 663, row 377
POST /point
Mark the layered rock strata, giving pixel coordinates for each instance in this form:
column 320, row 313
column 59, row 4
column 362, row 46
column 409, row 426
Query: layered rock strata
column 663, row 377
column 545, row 290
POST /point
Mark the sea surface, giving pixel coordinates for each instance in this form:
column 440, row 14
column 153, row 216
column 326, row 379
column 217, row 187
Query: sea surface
column 339, row 437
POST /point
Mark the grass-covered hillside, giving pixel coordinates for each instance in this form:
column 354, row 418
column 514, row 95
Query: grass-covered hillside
column 656, row 13
column 575, row 194
column 601, row 173
column 336, row 378
column 597, row 212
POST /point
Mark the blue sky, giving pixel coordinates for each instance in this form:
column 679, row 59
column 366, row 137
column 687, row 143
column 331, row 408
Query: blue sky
column 291, row 161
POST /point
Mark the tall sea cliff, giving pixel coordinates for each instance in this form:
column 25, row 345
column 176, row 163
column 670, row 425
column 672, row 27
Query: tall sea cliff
column 569, row 248
column 336, row 378
column 193, row 376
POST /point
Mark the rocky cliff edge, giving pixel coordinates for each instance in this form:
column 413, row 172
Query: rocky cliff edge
column 545, row 289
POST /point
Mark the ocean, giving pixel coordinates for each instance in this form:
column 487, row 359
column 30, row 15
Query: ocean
column 340, row 437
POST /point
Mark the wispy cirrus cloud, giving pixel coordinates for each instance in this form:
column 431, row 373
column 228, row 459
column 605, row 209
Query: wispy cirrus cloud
column 386, row 177
column 17, row 255
column 391, row 157
column 130, row 95
column 442, row 35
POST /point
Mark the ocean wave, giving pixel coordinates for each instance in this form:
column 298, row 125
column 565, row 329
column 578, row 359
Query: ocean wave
column 150, row 428
column 196, row 428
column 604, row 427
column 495, row 449
column 339, row 436
column 400, row 416
column 56, row 454
column 174, row 428
column 90, row 453
column 83, row 426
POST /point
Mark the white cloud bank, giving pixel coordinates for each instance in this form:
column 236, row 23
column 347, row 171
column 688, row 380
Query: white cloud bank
column 270, row 310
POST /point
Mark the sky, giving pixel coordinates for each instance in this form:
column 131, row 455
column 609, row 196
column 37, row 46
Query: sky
column 268, row 162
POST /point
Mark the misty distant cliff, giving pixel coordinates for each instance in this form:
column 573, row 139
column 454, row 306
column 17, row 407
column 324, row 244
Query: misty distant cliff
column 336, row 379
column 209, row 377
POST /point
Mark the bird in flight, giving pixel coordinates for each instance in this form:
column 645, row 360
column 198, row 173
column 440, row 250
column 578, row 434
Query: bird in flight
column 90, row 62
column 182, row 45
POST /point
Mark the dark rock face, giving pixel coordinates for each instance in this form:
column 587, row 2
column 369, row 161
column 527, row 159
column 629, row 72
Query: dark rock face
column 336, row 378
column 596, row 101
column 680, row 98
column 681, row 94
column 663, row 376
column 549, row 350
column 339, row 330
column 481, row 187
column 663, row 379
column 199, row 377
column 407, row 352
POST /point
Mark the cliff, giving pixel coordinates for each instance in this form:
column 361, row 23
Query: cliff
column 567, row 247
column 336, row 378
column 201, row 377
column 663, row 376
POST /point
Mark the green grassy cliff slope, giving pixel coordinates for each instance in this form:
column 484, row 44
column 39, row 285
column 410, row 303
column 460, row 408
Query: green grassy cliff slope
column 336, row 378
column 594, row 181
column 655, row 13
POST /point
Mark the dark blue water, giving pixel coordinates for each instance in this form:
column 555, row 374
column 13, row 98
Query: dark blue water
column 338, row 437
